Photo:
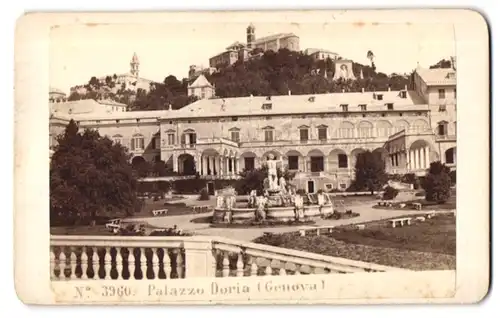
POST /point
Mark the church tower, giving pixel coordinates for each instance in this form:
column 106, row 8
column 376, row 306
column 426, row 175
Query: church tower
column 134, row 65
column 250, row 36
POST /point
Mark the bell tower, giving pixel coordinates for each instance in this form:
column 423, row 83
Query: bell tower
column 250, row 36
column 134, row 65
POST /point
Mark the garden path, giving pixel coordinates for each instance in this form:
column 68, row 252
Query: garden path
column 366, row 214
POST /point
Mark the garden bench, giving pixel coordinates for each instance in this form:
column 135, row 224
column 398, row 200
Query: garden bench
column 417, row 206
column 401, row 221
column 430, row 214
column 114, row 225
column 160, row 212
column 201, row 208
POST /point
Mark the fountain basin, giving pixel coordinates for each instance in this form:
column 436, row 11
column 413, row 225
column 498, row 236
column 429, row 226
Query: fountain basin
column 244, row 215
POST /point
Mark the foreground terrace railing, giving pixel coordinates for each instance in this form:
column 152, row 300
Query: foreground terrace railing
column 119, row 257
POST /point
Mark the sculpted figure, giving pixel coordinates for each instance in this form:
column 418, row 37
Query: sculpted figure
column 272, row 172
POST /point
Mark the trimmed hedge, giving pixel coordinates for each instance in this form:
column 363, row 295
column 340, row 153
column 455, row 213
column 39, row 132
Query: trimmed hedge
column 183, row 186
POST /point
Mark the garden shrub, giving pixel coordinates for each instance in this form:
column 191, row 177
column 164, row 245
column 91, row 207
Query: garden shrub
column 204, row 195
column 390, row 193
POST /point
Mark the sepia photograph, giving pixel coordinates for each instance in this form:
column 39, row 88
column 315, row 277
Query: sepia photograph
column 240, row 150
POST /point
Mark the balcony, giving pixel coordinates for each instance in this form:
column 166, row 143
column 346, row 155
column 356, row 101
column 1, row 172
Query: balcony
column 446, row 137
column 160, row 257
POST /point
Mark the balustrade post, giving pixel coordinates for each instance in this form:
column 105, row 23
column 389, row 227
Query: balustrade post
column 84, row 260
column 199, row 261
column 52, row 263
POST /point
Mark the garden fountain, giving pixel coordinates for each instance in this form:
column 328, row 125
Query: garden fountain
column 279, row 202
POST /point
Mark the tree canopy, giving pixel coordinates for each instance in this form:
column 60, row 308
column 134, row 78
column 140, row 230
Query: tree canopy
column 437, row 184
column 270, row 73
column 253, row 179
column 90, row 176
column 370, row 171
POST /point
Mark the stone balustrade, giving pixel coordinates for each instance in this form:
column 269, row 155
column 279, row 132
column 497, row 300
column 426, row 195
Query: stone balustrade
column 136, row 258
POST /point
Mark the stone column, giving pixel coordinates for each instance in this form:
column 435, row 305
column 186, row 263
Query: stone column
column 186, row 139
column 221, row 166
column 325, row 164
column 455, row 155
column 407, row 159
column 412, row 159
column 228, row 163
column 175, row 163
column 427, row 156
column 210, row 165
column 423, row 164
column 198, row 164
column 235, row 169
column 202, row 167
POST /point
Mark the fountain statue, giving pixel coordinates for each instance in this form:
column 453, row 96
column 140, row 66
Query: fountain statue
column 272, row 173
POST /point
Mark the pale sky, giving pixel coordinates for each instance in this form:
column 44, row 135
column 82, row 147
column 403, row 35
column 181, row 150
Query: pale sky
column 80, row 52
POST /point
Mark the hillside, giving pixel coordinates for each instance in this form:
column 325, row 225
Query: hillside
column 274, row 73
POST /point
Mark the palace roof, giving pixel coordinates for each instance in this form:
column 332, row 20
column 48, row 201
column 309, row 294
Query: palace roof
column 438, row 76
column 300, row 104
column 274, row 37
column 83, row 106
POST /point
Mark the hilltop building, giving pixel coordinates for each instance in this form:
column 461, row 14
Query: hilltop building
column 321, row 54
column 130, row 80
column 318, row 136
column 241, row 51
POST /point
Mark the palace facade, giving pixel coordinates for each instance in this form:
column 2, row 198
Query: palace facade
column 318, row 136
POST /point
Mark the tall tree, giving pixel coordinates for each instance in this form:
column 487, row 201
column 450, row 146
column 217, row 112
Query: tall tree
column 90, row 176
column 437, row 183
column 370, row 171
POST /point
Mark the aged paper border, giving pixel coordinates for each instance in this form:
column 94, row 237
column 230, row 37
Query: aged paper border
column 469, row 283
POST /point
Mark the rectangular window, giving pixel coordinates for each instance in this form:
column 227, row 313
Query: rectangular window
column 249, row 163
column 322, row 134
column 342, row 160
column 235, row 136
column 363, row 107
column 156, row 143
column 317, row 164
column 293, row 162
column 117, row 140
column 268, row 137
column 137, row 143
column 390, row 106
column 441, row 93
column 304, row 134
column 442, row 108
column 442, row 129
column 345, row 107
column 170, row 139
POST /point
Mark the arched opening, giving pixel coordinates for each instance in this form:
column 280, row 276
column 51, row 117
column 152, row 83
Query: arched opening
column 401, row 125
column 247, row 160
column 354, row 156
column 138, row 161
column 419, row 126
column 316, row 160
column 294, row 160
column 365, row 129
column 384, row 128
column 450, row 156
column 210, row 162
column 338, row 159
column 346, row 130
column 186, row 165
column 421, row 154
column 275, row 153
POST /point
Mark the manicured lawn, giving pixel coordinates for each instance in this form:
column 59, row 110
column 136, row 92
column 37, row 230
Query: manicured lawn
column 421, row 246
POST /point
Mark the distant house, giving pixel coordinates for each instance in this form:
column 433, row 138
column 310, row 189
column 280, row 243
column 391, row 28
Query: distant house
column 201, row 88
